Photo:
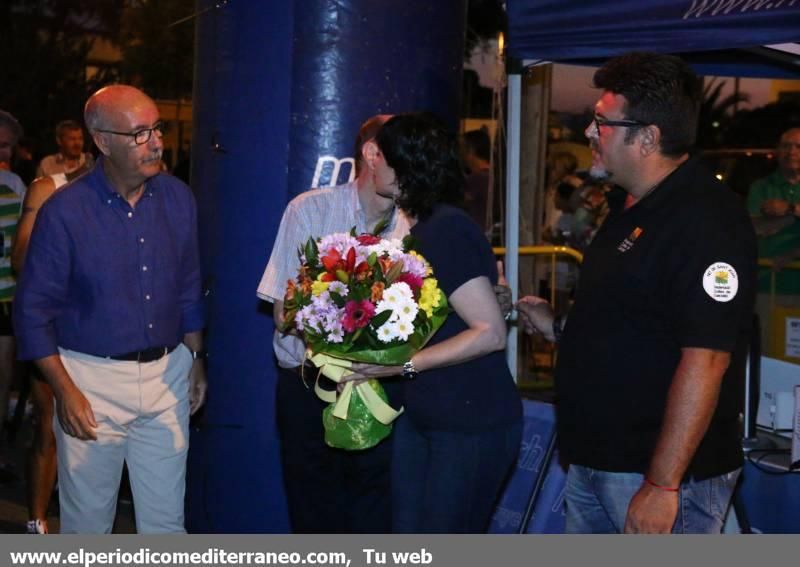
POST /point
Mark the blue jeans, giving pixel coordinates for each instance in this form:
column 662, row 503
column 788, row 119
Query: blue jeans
column 446, row 481
column 597, row 501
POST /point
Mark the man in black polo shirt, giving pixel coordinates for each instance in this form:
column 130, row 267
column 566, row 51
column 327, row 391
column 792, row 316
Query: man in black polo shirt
column 649, row 367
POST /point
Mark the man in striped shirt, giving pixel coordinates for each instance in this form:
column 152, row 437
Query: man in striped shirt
column 12, row 191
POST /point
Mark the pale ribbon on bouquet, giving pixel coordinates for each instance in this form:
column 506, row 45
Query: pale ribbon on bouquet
column 338, row 368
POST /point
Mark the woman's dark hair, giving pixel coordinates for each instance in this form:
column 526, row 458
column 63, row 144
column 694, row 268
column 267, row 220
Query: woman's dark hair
column 425, row 158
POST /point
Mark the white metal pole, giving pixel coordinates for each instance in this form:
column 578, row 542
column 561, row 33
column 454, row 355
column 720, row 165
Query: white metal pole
column 514, row 116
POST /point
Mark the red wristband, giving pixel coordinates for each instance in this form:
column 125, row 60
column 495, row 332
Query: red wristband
column 664, row 488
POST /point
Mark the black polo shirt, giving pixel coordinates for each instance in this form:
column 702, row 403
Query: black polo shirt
column 677, row 269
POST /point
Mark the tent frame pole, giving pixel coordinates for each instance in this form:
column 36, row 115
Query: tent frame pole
column 512, row 206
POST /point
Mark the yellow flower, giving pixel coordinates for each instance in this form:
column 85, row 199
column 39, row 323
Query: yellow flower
column 318, row 287
column 429, row 297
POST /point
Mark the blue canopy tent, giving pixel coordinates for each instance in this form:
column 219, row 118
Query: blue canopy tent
column 750, row 38
column 586, row 31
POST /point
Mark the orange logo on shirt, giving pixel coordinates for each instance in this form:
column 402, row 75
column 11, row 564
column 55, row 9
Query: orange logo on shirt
column 627, row 244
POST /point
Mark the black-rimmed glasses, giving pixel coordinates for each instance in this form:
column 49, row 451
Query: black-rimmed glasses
column 602, row 121
column 142, row 136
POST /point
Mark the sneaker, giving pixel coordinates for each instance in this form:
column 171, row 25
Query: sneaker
column 37, row 527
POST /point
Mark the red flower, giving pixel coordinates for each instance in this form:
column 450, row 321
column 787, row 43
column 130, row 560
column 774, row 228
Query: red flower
column 368, row 239
column 332, row 260
column 357, row 314
column 351, row 261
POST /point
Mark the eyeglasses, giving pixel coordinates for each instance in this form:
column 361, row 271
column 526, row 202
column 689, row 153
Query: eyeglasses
column 142, row 136
column 601, row 121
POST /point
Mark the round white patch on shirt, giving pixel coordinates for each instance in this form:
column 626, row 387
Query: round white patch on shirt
column 720, row 282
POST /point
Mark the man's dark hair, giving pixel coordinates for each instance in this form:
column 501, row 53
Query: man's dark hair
column 478, row 141
column 367, row 132
column 661, row 90
column 7, row 120
column 65, row 125
column 424, row 155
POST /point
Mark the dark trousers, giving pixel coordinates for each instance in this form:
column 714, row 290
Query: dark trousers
column 328, row 490
column 448, row 481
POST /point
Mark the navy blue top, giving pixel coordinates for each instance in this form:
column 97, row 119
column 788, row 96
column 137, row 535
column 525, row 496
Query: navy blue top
column 475, row 395
column 104, row 278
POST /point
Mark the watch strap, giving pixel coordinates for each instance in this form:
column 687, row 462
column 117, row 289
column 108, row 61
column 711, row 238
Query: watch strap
column 409, row 370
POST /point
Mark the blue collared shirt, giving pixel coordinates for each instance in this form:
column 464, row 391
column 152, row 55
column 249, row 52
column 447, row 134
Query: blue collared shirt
column 104, row 278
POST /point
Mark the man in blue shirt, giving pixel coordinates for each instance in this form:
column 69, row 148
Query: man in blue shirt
column 110, row 310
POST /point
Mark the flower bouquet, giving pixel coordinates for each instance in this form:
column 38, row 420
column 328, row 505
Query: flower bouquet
column 361, row 299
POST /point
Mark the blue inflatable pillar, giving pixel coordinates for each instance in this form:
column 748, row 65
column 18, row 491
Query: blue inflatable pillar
column 280, row 83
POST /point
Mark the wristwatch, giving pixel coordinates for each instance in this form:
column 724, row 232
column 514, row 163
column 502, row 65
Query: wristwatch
column 409, row 371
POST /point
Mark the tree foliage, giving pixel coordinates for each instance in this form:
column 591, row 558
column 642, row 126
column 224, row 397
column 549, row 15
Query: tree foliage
column 45, row 74
column 716, row 113
column 44, row 51
column 762, row 127
column 157, row 53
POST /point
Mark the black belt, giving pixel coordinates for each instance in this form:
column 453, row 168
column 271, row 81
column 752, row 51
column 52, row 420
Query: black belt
column 146, row 355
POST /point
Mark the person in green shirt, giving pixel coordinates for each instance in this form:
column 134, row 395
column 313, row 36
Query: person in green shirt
column 774, row 205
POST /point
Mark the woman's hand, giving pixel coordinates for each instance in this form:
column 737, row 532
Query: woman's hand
column 363, row 371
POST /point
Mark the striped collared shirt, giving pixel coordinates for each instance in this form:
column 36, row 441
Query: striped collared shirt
column 316, row 213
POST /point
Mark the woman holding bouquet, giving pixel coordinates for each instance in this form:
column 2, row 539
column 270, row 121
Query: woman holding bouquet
column 462, row 426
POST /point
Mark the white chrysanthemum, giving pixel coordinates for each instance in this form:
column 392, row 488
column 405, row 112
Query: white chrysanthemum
column 397, row 293
column 406, row 310
column 387, row 332
column 402, row 329
column 384, row 305
column 385, row 246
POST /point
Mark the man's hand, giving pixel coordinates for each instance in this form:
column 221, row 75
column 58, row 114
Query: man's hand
column 651, row 511
column 776, row 207
column 75, row 414
column 503, row 292
column 536, row 315
column 197, row 386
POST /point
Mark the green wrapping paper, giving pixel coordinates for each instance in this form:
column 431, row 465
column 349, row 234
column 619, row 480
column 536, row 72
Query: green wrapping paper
column 361, row 430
